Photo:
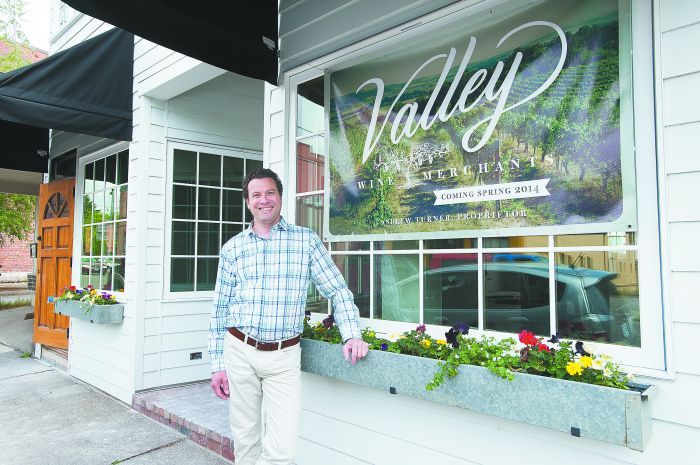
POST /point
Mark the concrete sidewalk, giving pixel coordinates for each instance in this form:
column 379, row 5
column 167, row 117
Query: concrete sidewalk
column 50, row 418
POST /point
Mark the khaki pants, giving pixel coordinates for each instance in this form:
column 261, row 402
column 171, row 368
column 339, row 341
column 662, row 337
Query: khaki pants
column 271, row 380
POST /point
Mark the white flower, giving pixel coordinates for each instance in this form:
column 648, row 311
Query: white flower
column 589, row 348
column 393, row 337
column 598, row 363
column 607, row 372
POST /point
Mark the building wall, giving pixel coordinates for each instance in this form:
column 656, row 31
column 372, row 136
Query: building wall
column 338, row 416
column 14, row 256
column 225, row 111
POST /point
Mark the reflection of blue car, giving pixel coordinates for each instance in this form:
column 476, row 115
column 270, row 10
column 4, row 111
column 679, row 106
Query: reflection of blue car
column 518, row 257
column 516, row 297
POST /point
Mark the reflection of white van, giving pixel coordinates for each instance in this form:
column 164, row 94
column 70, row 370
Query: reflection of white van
column 516, row 297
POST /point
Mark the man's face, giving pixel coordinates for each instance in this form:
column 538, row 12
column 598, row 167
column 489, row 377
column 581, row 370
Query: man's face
column 264, row 201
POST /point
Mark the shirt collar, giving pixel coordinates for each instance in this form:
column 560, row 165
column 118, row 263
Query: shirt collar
column 280, row 225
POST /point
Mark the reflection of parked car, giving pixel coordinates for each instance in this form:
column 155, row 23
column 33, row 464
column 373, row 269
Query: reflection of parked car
column 516, row 297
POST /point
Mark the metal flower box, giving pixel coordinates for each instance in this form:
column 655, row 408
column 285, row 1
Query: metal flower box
column 100, row 314
column 606, row 414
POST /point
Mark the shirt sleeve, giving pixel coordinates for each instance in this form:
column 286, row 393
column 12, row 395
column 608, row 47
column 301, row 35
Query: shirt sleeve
column 330, row 283
column 224, row 292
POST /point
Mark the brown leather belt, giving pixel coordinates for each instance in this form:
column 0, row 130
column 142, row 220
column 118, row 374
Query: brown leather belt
column 260, row 345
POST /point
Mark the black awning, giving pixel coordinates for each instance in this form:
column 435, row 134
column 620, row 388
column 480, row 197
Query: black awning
column 23, row 148
column 85, row 89
column 236, row 36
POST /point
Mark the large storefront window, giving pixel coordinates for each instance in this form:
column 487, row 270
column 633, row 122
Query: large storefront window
column 207, row 209
column 568, row 260
column 103, row 232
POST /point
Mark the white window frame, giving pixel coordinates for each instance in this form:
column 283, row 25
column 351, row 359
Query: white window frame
column 78, row 211
column 650, row 359
column 171, row 145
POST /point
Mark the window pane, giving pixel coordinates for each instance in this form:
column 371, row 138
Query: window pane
column 315, row 302
column 310, row 164
column 355, row 270
column 111, row 170
column 96, row 273
column 181, row 274
column 518, row 241
column 395, row 245
column 233, row 206
column 98, row 206
column 109, row 204
column 251, row 165
column 349, row 246
column 233, row 172
column 396, row 288
column 516, row 294
column 97, row 239
column 450, row 244
column 118, row 266
column 182, row 238
column 121, row 203
column 87, row 240
column 100, row 175
column 209, row 204
column 209, row 169
column 598, row 297
column 108, row 242
column 89, row 182
column 229, row 230
column 601, row 239
column 184, row 166
column 207, row 239
column 123, row 167
column 451, row 289
column 120, row 248
column 87, row 208
column 206, row 273
column 84, row 272
column 183, row 202
column 310, row 212
column 310, row 107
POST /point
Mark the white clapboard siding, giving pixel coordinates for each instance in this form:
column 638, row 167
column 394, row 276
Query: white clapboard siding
column 226, row 111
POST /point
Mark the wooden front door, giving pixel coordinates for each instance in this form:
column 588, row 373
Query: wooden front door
column 54, row 252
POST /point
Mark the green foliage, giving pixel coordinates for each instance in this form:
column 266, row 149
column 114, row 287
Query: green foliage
column 11, row 15
column 4, row 305
column 16, row 216
column 26, row 354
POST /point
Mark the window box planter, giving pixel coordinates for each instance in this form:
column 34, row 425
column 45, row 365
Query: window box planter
column 99, row 314
column 606, row 414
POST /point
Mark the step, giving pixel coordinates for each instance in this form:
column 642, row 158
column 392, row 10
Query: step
column 192, row 409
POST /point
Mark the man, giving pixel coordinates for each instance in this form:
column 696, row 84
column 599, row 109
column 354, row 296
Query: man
column 257, row 319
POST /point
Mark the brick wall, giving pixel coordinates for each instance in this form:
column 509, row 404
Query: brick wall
column 14, row 256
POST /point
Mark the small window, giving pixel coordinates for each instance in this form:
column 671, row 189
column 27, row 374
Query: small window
column 105, row 196
column 206, row 210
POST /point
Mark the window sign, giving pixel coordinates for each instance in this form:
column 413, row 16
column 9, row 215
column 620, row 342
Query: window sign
column 515, row 121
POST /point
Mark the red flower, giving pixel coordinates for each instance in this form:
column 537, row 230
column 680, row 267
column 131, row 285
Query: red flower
column 527, row 338
column 542, row 347
column 73, row 288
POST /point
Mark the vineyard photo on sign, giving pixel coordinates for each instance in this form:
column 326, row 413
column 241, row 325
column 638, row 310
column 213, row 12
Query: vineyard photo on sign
column 519, row 120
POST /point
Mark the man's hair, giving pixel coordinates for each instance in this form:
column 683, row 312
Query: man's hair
column 261, row 173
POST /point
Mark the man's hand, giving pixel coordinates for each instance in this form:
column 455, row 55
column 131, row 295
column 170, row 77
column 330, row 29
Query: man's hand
column 219, row 383
column 355, row 349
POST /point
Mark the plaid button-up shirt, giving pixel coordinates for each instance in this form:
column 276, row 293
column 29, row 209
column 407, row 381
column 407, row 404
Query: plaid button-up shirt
column 262, row 284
